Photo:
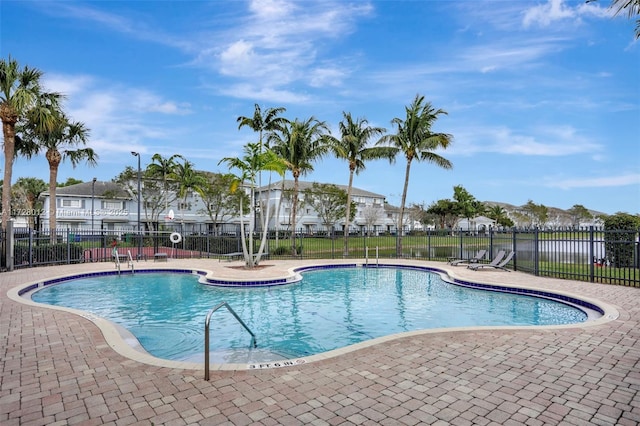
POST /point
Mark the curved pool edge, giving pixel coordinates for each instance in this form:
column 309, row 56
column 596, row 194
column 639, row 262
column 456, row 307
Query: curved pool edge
column 117, row 340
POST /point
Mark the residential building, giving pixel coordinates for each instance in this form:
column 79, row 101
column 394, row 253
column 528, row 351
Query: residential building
column 111, row 206
column 476, row 225
column 87, row 205
column 370, row 214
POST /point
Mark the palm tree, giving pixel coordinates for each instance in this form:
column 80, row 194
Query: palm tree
column 31, row 188
column 188, row 179
column 299, row 144
column 499, row 214
column 21, row 99
column 352, row 146
column 249, row 166
column 263, row 122
column 630, row 7
column 59, row 143
column 163, row 167
column 267, row 122
column 416, row 141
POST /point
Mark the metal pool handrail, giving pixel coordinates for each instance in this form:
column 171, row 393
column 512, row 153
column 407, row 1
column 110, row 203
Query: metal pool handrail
column 206, row 334
column 130, row 262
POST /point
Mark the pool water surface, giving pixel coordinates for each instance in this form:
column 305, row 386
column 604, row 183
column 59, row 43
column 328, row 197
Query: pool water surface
column 328, row 309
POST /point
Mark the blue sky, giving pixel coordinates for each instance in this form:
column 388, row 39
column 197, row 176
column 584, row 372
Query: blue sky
column 543, row 97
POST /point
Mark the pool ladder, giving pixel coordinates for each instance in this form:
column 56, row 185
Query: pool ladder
column 129, row 262
column 206, row 334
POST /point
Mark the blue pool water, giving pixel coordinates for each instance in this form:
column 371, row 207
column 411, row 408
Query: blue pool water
column 328, row 309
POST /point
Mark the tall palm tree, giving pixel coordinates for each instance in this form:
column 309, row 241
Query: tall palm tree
column 62, row 142
column 21, row 98
column 353, row 147
column 416, row 141
column 299, row 144
column 264, row 123
column 249, row 166
column 163, row 168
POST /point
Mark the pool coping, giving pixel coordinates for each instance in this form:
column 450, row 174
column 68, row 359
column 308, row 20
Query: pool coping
column 124, row 343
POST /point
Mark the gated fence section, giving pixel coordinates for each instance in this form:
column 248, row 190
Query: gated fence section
column 593, row 255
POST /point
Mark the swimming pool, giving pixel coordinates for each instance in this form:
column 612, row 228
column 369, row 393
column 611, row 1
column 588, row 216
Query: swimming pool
column 328, row 309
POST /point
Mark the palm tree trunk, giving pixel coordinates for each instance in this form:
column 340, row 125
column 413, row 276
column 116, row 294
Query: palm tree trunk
column 265, row 229
column 346, row 221
column 277, row 221
column 402, row 204
column 53, row 203
column 9, row 134
column 294, row 212
column 242, row 237
column 252, row 209
column 31, row 203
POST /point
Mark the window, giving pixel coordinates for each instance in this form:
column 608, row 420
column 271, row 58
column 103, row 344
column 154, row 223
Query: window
column 184, row 206
column 71, row 203
column 112, row 205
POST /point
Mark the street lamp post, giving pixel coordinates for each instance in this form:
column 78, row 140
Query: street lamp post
column 93, row 193
column 137, row 154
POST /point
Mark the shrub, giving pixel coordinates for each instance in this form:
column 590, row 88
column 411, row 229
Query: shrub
column 286, row 251
column 48, row 253
column 620, row 240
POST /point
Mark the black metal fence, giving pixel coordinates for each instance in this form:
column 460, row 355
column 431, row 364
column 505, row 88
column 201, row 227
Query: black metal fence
column 591, row 254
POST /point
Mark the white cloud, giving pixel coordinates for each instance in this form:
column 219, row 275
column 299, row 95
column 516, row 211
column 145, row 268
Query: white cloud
column 595, row 182
column 119, row 117
column 322, row 77
column 549, row 141
column 280, row 43
column 544, row 15
column 260, row 93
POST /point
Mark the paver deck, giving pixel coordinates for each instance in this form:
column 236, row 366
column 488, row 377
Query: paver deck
column 57, row 369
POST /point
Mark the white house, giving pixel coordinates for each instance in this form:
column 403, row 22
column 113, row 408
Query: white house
column 370, row 209
column 478, row 224
column 111, row 206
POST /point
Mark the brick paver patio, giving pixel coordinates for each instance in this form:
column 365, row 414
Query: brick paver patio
column 58, row 369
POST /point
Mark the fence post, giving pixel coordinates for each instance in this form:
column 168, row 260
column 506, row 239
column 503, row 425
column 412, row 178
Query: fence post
column 333, row 243
column 592, row 271
column 428, row 244
column 30, row 248
column 491, row 243
column 10, row 242
column 68, row 245
column 513, row 247
column 536, row 253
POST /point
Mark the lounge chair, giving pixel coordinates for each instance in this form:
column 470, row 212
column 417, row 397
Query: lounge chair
column 498, row 262
column 475, row 259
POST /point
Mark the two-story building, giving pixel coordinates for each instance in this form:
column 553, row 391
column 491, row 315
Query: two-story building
column 89, row 205
column 110, row 206
column 370, row 209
